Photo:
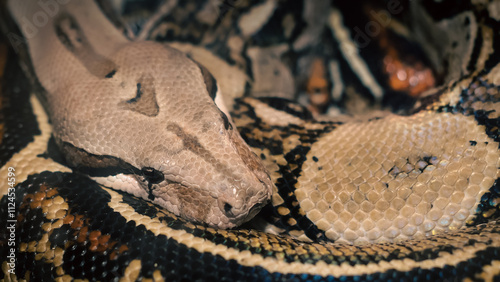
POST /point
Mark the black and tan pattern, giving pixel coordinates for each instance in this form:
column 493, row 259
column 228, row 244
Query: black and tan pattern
column 419, row 192
column 100, row 234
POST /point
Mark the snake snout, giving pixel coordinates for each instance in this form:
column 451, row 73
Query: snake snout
column 242, row 207
column 232, row 208
column 238, row 211
column 241, row 214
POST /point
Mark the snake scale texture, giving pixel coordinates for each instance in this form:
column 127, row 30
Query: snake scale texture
column 249, row 140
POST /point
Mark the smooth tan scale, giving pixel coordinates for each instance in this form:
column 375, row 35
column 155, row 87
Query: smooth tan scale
column 397, row 177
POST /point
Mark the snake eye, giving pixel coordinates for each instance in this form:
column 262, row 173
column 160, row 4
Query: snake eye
column 152, row 175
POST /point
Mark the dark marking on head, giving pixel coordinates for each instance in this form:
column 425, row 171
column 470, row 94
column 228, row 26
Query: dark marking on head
column 95, row 165
column 144, row 101
column 192, row 144
column 138, row 94
column 315, row 158
column 110, row 74
column 72, row 37
column 473, row 143
column 210, row 82
column 227, row 124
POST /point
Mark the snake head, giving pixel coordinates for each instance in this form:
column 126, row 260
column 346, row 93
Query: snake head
column 153, row 122
column 223, row 187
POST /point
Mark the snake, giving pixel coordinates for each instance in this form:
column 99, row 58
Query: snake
column 128, row 155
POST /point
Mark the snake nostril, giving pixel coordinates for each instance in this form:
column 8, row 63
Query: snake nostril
column 228, row 209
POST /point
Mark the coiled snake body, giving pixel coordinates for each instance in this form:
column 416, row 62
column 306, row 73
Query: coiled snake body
column 140, row 148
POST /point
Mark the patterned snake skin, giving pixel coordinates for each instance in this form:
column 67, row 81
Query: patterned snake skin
column 358, row 193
